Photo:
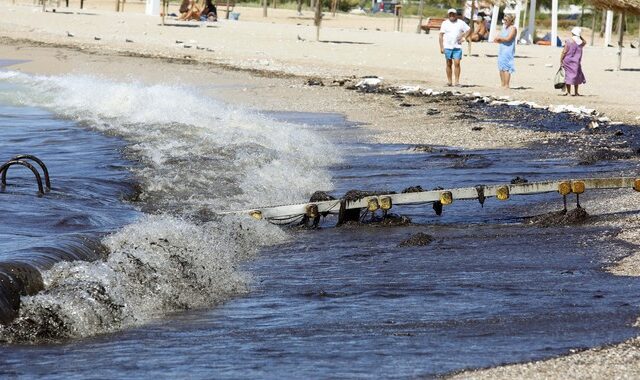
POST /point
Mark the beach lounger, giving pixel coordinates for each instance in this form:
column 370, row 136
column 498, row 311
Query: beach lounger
column 225, row 5
column 432, row 23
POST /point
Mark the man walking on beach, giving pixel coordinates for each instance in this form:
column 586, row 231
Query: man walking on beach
column 452, row 33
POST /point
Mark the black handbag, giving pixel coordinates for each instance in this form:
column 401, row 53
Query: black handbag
column 558, row 81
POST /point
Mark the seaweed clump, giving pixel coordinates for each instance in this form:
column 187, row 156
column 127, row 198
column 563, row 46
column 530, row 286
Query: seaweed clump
column 561, row 218
column 417, row 240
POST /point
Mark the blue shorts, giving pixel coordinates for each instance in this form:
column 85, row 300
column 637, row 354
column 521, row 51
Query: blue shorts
column 453, row 53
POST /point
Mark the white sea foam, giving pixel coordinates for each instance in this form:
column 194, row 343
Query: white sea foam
column 197, row 156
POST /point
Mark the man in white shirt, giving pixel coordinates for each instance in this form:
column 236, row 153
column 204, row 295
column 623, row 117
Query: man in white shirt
column 452, row 33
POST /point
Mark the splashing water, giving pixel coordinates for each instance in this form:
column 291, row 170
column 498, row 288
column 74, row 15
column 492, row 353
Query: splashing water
column 197, row 156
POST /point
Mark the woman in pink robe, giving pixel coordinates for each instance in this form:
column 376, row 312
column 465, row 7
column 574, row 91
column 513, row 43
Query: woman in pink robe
column 571, row 60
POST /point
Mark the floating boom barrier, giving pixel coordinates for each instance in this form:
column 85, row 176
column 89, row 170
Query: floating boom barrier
column 439, row 197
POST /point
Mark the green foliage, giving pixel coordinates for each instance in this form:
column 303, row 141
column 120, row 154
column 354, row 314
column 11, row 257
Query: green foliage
column 428, row 11
column 437, row 8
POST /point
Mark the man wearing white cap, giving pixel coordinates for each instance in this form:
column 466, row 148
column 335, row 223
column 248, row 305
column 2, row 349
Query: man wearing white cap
column 452, row 33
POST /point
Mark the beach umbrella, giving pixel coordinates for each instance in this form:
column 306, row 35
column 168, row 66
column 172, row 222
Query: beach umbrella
column 624, row 7
column 628, row 6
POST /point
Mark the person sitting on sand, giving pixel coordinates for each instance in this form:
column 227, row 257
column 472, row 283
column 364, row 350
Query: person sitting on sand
column 480, row 32
column 210, row 12
column 189, row 10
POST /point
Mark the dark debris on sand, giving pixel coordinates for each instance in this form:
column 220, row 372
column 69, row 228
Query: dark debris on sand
column 519, row 180
column 418, row 240
column 388, row 220
column 604, row 154
column 561, row 218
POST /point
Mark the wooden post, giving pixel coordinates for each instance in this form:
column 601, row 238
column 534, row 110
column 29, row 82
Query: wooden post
column 318, row 18
column 620, row 35
column 264, row 8
column 594, row 13
column 117, row 5
column 420, row 16
column 163, row 13
column 472, row 26
column 554, row 23
column 524, row 17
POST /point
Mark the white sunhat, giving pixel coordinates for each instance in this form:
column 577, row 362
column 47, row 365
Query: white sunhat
column 576, row 31
column 451, row 10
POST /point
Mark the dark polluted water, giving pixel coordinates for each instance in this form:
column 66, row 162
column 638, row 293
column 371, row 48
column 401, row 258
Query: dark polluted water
column 89, row 182
column 349, row 302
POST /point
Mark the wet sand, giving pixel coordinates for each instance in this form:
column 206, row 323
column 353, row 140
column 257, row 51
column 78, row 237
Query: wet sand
column 276, row 81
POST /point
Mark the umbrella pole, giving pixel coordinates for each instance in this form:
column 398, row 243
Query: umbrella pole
column 607, row 28
column 318, row 18
column 532, row 21
column 472, row 27
column 620, row 35
column 554, row 23
column 420, row 14
column 593, row 25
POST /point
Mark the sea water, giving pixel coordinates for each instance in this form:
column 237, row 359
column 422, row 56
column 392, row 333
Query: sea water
column 280, row 303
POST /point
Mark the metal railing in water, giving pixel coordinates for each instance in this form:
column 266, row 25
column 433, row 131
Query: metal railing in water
column 21, row 160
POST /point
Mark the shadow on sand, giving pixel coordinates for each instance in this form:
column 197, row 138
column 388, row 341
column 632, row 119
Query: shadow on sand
column 496, row 56
column 187, row 25
column 628, row 69
column 346, row 42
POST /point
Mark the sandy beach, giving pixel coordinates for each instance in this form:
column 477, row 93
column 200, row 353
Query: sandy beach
column 274, row 57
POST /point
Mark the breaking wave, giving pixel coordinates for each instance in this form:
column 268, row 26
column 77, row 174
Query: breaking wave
column 197, row 156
